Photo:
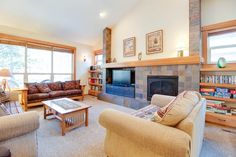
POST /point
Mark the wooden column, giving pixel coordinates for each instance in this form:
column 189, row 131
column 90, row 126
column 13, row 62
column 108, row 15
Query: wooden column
column 195, row 27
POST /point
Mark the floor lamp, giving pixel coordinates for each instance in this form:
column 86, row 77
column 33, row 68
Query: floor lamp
column 5, row 74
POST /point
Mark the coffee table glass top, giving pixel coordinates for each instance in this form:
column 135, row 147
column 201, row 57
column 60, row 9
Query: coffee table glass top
column 65, row 105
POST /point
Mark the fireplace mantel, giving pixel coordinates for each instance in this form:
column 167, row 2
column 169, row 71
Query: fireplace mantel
column 155, row 62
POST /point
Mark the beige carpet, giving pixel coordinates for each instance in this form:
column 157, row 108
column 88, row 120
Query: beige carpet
column 88, row 141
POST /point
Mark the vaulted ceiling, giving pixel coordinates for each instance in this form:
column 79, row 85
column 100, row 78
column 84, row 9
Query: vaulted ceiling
column 70, row 20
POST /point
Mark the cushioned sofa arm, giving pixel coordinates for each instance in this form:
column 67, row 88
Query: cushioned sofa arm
column 163, row 140
column 161, row 100
column 19, row 124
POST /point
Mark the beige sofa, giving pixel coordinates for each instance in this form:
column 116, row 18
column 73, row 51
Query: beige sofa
column 18, row 133
column 129, row 136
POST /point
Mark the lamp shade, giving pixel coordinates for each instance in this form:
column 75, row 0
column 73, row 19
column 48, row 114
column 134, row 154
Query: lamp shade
column 5, row 73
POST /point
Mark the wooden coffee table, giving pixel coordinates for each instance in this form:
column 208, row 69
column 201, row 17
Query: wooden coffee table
column 72, row 114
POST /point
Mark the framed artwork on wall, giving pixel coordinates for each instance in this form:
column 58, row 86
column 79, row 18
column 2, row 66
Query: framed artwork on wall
column 154, row 42
column 129, row 47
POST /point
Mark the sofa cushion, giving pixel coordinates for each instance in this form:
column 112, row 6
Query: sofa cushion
column 178, row 109
column 38, row 96
column 32, row 89
column 5, row 152
column 55, row 86
column 73, row 92
column 54, row 94
column 69, row 85
column 43, row 87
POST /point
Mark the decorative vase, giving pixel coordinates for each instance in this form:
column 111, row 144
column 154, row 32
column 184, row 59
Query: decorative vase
column 114, row 60
column 180, row 53
column 221, row 63
column 140, row 56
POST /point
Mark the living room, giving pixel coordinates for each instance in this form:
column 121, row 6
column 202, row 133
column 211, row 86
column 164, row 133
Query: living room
column 121, row 78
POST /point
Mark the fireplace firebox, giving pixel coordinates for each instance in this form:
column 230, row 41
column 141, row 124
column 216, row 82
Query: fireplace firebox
column 165, row 85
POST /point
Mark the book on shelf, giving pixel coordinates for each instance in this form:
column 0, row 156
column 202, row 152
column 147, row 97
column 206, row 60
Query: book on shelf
column 233, row 111
column 218, row 107
column 220, row 79
column 219, row 92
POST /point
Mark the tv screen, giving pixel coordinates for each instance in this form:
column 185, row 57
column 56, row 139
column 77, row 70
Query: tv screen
column 121, row 77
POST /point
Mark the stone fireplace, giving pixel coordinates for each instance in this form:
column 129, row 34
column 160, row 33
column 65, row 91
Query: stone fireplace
column 165, row 85
column 188, row 77
column 183, row 74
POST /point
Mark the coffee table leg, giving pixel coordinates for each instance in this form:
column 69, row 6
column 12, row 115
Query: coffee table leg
column 86, row 117
column 63, row 126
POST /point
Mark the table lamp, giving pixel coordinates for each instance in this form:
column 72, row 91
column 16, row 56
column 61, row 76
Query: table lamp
column 5, row 74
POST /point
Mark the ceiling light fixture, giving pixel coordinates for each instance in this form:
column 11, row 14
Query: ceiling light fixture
column 102, row 14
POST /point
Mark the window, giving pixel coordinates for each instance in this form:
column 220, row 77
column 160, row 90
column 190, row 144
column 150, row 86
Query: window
column 62, row 73
column 64, row 58
column 99, row 59
column 222, row 45
column 39, row 61
column 35, row 63
column 13, row 58
column 219, row 40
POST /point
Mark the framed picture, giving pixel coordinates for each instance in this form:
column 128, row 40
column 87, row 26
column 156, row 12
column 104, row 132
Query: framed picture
column 154, row 42
column 129, row 47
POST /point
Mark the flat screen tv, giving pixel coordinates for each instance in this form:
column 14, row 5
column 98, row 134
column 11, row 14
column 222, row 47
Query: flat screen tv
column 121, row 77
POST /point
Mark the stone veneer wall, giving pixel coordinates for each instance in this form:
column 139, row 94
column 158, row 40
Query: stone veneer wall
column 188, row 77
column 194, row 27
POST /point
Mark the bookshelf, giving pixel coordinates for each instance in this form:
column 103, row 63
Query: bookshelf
column 230, row 86
column 218, row 69
column 225, row 120
column 220, row 99
column 95, row 82
column 219, row 78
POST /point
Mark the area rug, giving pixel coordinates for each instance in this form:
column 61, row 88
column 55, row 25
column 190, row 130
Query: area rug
column 88, row 141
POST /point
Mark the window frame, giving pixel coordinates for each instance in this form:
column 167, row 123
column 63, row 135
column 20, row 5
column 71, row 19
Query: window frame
column 96, row 53
column 219, row 28
column 25, row 42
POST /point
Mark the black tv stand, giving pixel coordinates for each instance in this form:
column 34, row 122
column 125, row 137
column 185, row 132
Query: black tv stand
column 126, row 91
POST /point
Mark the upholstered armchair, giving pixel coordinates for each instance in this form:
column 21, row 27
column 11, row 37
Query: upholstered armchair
column 18, row 133
column 127, row 135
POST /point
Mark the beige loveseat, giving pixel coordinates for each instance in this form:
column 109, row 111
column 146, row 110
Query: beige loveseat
column 129, row 136
column 18, row 133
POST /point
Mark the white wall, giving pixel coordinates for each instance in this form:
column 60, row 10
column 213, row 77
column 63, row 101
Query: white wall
column 83, row 67
column 81, row 50
column 216, row 11
column 151, row 15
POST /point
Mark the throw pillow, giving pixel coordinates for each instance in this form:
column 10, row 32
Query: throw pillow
column 178, row 109
column 55, row 86
column 69, row 85
column 77, row 84
column 43, row 87
column 32, row 89
column 4, row 97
